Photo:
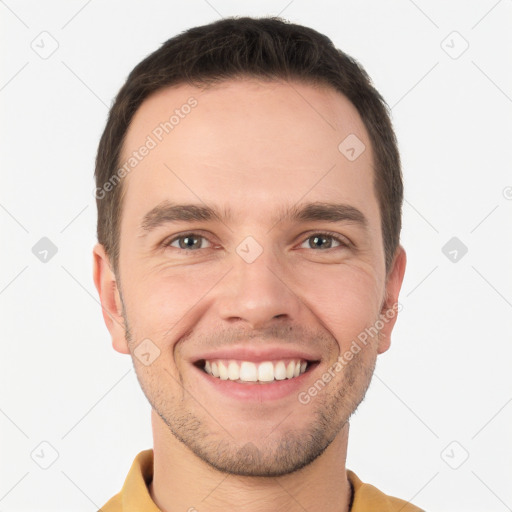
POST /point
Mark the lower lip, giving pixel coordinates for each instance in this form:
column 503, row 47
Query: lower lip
column 259, row 392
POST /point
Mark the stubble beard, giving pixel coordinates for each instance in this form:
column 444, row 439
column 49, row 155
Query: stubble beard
column 278, row 454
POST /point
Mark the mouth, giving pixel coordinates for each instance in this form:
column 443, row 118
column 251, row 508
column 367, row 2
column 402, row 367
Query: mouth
column 250, row 372
column 255, row 375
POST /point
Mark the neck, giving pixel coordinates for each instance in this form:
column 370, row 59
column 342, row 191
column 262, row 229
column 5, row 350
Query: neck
column 183, row 482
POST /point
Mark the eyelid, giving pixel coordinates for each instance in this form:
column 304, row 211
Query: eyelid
column 169, row 240
column 343, row 240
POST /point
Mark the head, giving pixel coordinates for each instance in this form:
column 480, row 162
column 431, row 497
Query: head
column 249, row 200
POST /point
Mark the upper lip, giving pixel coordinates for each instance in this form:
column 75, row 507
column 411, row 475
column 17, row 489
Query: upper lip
column 257, row 354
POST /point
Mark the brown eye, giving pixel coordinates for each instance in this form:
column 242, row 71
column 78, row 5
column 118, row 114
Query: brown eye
column 323, row 241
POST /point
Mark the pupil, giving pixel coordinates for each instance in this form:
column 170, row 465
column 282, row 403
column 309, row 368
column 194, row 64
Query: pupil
column 188, row 242
column 318, row 240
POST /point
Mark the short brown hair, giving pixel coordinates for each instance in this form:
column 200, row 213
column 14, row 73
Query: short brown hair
column 268, row 48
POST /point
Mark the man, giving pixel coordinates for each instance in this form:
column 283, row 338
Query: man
column 249, row 210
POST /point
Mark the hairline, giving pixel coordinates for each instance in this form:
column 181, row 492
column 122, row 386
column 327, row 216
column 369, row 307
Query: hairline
column 208, row 83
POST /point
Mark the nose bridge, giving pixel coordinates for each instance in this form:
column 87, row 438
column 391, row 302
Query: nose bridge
column 254, row 291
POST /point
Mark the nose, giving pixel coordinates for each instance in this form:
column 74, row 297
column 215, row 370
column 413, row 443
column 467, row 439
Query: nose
column 258, row 293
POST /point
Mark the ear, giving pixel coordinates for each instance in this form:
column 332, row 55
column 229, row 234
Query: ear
column 389, row 311
column 106, row 284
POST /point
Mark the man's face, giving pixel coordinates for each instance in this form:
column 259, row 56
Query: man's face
column 254, row 288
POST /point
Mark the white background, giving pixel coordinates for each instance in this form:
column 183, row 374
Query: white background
column 447, row 375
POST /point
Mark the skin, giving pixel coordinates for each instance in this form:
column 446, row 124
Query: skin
column 254, row 147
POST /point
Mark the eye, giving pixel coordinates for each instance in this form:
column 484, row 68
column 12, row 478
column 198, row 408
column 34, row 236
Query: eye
column 324, row 241
column 188, row 242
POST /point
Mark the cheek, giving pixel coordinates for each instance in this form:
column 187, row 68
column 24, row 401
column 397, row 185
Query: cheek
column 344, row 298
column 164, row 303
column 161, row 300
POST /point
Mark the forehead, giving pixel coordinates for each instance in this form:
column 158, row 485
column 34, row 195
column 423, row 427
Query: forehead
column 244, row 143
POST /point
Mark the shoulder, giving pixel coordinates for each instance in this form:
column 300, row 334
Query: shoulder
column 114, row 504
column 367, row 498
column 134, row 495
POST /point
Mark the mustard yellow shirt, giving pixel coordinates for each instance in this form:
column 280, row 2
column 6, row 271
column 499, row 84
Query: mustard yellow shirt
column 135, row 497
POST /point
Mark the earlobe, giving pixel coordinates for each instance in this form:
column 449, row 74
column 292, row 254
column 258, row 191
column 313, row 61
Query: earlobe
column 106, row 284
column 390, row 308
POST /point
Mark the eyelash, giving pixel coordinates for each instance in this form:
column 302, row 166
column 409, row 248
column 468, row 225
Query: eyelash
column 344, row 243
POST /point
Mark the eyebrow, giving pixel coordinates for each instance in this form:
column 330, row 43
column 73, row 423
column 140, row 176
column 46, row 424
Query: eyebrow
column 167, row 212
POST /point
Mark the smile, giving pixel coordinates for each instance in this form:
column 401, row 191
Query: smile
column 248, row 371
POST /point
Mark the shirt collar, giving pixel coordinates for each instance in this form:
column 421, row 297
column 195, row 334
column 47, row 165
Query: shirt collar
column 135, row 492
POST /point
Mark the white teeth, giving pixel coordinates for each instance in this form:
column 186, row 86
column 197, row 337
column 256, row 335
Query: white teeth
column 280, row 371
column 266, row 372
column 233, row 371
column 290, row 369
column 247, row 371
column 223, row 371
